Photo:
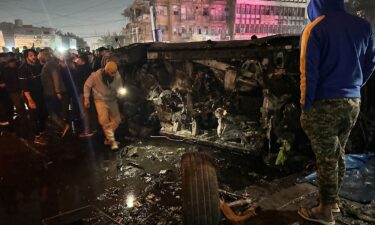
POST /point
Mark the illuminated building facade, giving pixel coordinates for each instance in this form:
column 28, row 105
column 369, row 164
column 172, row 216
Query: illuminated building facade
column 18, row 35
column 199, row 20
column 2, row 41
column 176, row 20
column 266, row 17
column 139, row 27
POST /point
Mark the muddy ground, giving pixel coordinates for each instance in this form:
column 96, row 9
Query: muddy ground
column 82, row 181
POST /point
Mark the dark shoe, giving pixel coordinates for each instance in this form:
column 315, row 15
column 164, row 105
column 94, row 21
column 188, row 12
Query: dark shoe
column 39, row 140
column 65, row 131
column 307, row 214
column 86, row 134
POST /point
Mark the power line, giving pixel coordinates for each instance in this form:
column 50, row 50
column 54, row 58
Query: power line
column 32, row 11
column 103, row 12
column 75, row 12
column 83, row 25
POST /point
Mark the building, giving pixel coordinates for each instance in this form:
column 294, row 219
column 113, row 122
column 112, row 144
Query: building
column 2, row 42
column 264, row 17
column 19, row 35
column 176, row 20
column 181, row 20
column 139, row 27
column 22, row 36
column 198, row 20
column 8, row 33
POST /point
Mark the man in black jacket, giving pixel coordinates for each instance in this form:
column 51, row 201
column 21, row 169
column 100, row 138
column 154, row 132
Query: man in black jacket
column 6, row 109
column 12, row 86
column 31, row 86
column 83, row 71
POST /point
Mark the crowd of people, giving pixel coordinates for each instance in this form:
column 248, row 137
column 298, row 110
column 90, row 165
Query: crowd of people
column 43, row 85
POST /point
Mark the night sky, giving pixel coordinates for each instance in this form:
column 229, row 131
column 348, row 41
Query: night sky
column 86, row 18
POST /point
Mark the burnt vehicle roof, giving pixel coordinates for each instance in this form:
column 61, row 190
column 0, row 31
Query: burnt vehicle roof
column 207, row 49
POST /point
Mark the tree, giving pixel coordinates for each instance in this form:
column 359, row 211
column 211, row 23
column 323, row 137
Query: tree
column 106, row 40
column 114, row 41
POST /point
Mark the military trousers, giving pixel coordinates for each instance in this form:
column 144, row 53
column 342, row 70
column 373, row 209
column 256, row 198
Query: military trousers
column 328, row 125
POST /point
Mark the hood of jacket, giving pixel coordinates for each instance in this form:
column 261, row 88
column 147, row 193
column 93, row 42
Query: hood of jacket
column 318, row 8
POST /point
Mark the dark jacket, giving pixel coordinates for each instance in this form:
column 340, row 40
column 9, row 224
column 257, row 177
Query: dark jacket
column 29, row 77
column 68, row 75
column 337, row 53
column 83, row 72
column 51, row 79
column 10, row 78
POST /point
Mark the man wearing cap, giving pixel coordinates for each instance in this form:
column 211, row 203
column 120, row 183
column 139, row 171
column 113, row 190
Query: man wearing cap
column 104, row 84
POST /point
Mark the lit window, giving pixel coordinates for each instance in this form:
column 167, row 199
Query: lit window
column 205, row 12
column 237, row 28
column 183, row 13
column 176, row 10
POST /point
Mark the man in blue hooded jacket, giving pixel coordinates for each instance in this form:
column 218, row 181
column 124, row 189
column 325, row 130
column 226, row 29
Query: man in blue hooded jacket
column 337, row 58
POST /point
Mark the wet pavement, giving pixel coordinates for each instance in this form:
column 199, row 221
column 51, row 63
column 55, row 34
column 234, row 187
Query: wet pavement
column 139, row 184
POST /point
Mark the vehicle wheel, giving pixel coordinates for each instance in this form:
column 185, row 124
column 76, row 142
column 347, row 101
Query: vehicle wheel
column 200, row 192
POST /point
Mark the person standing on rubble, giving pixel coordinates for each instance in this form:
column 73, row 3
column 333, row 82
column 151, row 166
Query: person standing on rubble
column 105, row 84
column 337, row 58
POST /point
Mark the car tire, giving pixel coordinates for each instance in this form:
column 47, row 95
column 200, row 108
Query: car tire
column 201, row 205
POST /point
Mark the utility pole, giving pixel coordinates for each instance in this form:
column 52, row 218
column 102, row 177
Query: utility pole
column 153, row 24
column 137, row 33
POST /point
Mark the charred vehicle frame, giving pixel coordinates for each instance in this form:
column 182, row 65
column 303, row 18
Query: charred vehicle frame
column 242, row 96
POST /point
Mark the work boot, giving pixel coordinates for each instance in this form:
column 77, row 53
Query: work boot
column 114, row 145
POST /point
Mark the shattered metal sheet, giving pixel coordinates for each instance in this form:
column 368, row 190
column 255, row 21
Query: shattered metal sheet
column 254, row 148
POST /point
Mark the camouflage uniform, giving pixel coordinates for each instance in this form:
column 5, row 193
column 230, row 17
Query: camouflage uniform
column 328, row 124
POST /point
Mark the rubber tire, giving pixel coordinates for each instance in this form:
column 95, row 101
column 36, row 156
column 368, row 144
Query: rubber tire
column 200, row 191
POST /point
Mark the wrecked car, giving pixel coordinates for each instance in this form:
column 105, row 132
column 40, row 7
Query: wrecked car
column 242, row 96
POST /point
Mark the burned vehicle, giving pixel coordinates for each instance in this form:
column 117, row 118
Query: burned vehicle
column 242, row 96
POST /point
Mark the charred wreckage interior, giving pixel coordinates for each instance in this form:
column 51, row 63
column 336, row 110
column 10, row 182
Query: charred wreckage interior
column 241, row 96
